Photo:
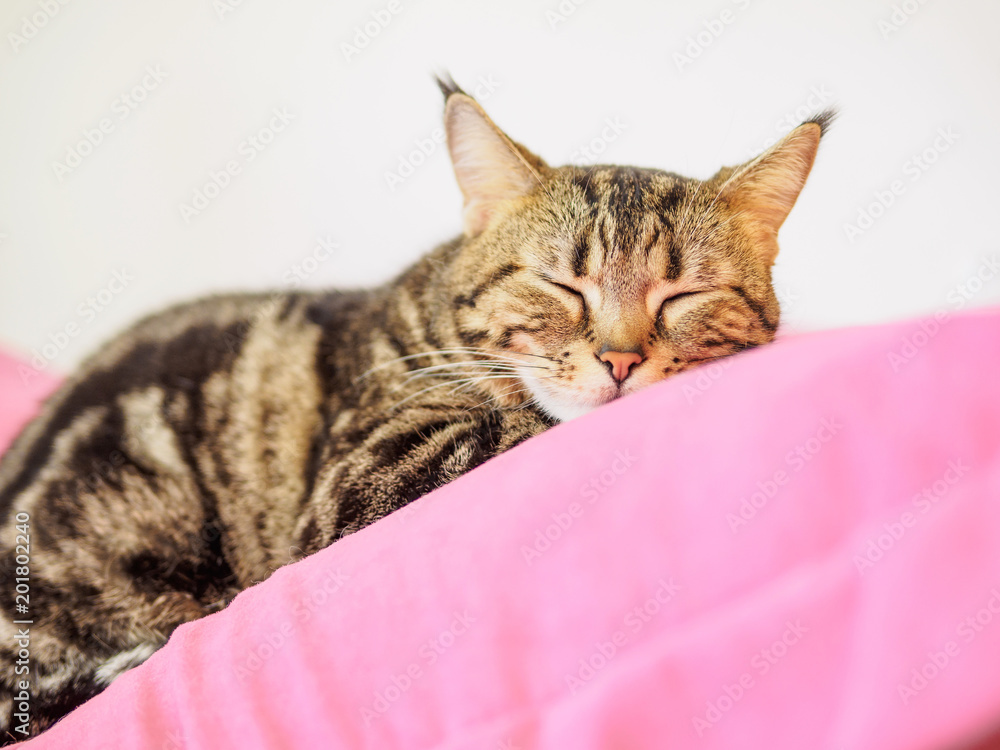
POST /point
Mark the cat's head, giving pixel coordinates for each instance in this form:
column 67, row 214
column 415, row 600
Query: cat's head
column 589, row 283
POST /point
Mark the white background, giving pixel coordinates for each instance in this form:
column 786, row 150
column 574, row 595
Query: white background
column 557, row 79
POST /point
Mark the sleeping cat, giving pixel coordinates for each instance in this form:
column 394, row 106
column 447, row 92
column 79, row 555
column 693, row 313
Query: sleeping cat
column 216, row 441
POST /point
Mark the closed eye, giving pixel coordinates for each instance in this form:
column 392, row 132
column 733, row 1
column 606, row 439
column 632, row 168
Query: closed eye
column 565, row 288
column 674, row 298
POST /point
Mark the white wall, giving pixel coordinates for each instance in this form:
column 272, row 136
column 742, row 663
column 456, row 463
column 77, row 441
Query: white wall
column 555, row 84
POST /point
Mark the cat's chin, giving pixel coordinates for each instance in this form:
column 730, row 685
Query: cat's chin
column 559, row 409
column 562, row 412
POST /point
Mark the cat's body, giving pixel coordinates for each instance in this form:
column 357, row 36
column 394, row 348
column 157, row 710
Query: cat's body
column 219, row 440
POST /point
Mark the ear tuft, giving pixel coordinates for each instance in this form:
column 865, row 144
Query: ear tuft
column 447, row 85
column 824, row 119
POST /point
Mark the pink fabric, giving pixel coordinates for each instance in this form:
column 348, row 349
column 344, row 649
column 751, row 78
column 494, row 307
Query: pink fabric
column 756, row 554
column 22, row 389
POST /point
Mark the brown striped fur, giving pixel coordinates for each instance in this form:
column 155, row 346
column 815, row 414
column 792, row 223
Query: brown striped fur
column 219, row 440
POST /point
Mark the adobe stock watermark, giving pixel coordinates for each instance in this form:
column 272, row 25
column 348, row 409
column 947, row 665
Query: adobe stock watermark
column 32, row 24
column 913, row 168
column 958, row 297
column 787, row 296
column 366, row 32
column 708, row 375
column 20, row 709
column 302, row 611
column 877, row 547
column 795, row 461
column 633, row 622
column 563, row 521
column 425, row 148
column 300, row 271
column 223, row 8
column 818, row 98
column 86, row 313
column 561, row 13
column 968, row 629
column 428, row 655
column 761, row 663
column 175, row 740
column 589, row 152
column 702, row 40
column 248, row 150
column 121, row 107
column 294, row 277
column 899, row 17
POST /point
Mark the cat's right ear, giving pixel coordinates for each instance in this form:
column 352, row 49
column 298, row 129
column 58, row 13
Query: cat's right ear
column 491, row 169
column 765, row 188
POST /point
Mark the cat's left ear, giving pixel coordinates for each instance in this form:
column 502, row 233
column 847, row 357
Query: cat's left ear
column 765, row 188
column 491, row 169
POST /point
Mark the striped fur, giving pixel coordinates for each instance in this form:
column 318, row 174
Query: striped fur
column 219, row 440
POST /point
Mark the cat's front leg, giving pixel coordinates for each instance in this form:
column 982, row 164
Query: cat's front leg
column 402, row 458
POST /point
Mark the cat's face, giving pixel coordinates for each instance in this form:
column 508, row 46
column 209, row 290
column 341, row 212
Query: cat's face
column 589, row 284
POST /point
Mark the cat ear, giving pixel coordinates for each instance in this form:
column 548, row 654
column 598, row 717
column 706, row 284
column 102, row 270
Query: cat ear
column 489, row 166
column 765, row 188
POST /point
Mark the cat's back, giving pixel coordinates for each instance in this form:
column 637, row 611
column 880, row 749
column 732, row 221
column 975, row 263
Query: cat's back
column 224, row 367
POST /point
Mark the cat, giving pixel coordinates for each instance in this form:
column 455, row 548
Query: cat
column 214, row 442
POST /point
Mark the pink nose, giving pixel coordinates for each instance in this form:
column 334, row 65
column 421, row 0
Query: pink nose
column 620, row 362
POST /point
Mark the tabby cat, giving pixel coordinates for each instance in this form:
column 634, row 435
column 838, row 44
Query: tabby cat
column 214, row 442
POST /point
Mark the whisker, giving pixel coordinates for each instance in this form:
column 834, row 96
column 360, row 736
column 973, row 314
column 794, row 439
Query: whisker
column 419, row 393
column 458, row 383
column 508, row 353
column 464, row 372
column 501, row 356
column 506, row 393
column 456, row 365
column 429, row 353
column 491, row 366
column 462, row 384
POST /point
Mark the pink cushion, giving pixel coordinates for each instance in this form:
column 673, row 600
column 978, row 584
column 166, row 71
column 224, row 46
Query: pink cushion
column 798, row 548
column 22, row 389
